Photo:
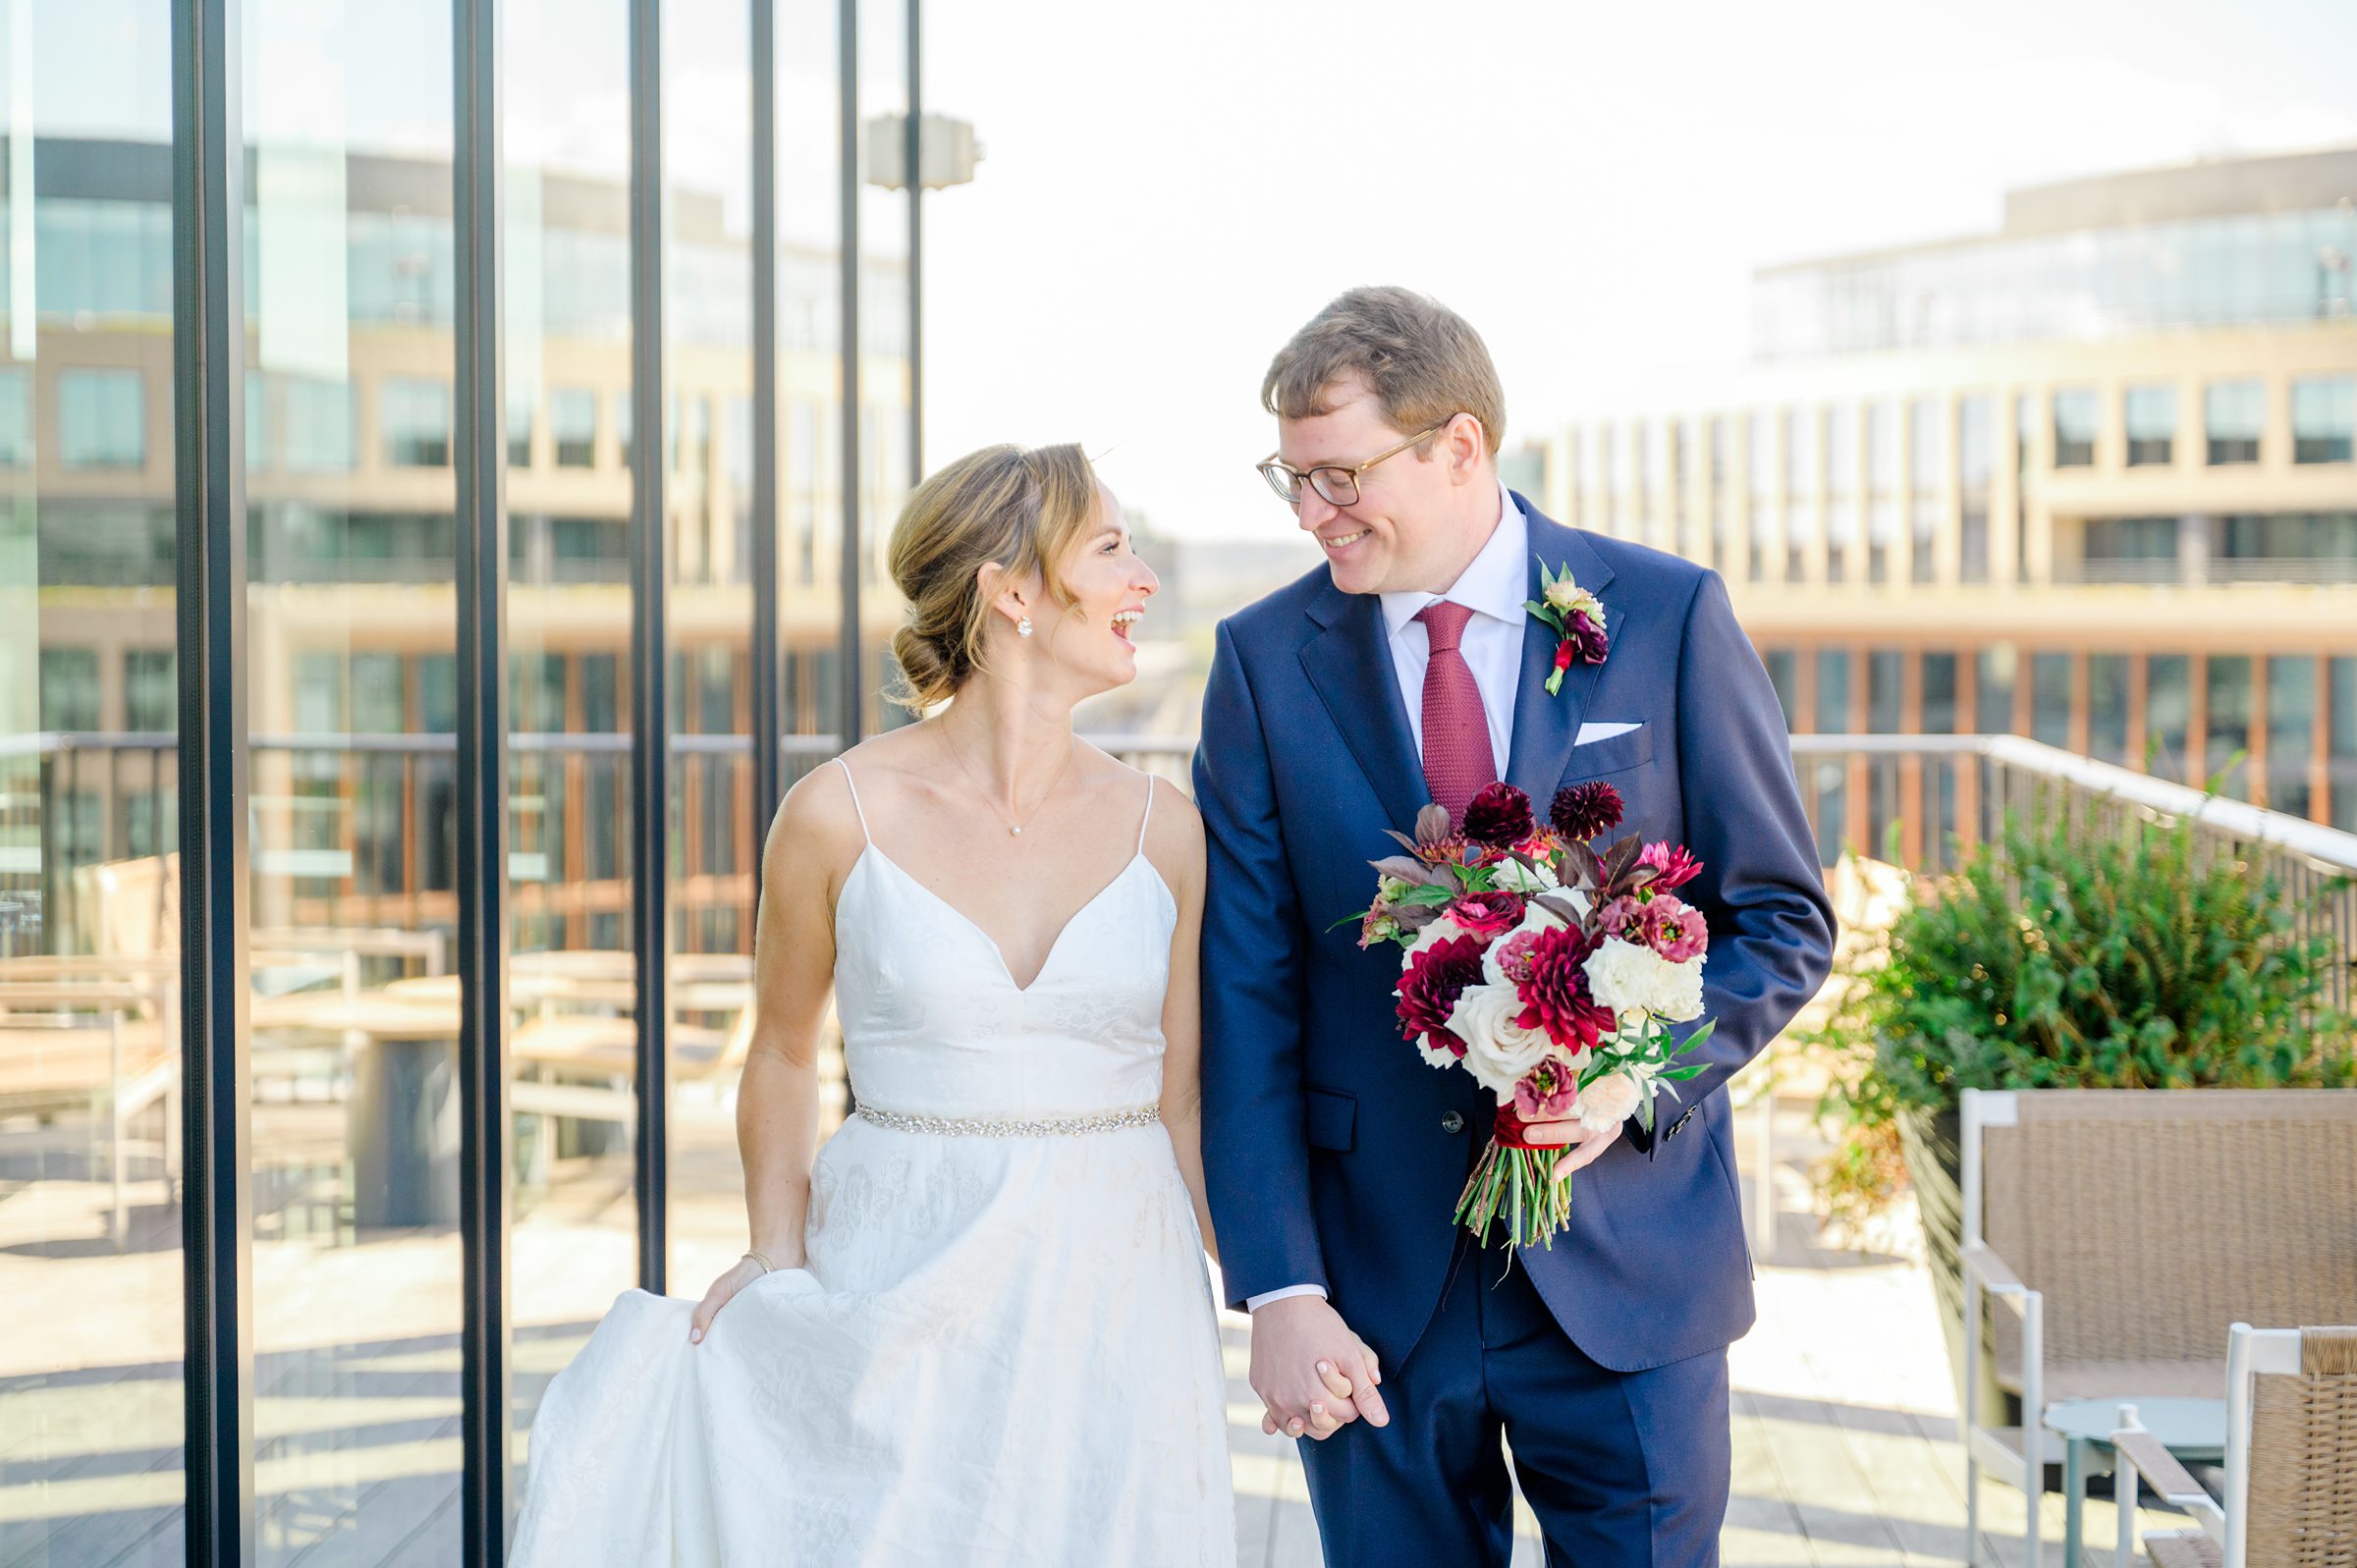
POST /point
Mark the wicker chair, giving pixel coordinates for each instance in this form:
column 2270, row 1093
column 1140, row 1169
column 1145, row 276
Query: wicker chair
column 2291, row 1461
column 2126, row 1231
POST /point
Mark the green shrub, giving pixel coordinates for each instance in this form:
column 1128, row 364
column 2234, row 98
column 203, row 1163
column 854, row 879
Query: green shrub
column 2059, row 958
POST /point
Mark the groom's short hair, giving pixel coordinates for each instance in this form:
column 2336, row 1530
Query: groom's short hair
column 1422, row 360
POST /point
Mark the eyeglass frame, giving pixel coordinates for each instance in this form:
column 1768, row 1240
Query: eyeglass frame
column 1271, row 466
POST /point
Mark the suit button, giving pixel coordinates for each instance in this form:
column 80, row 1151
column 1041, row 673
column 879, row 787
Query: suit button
column 1453, row 1122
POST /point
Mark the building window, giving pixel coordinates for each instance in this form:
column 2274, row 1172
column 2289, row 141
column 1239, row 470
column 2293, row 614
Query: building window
column 625, row 412
column 2076, row 415
column 2168, row 714
column 257, row 423
column 1760, row 466
column 1938, row 694
column 520, row 428
column 2108, row 707
column 150, row 690
column 1783, row 674
column 2228, row 685
column 1994, row 671
column 2233, row 413
column 1800, row 487
column 2150, row 414
column 1722, row 509
column 2133, row 550
column 101, row 419
column 2341, row 749
column 69, row 688
column 2324, row 418
column 320, row 425
column 2050, row 698
column 1883, row 491
column 2290, row 730
column 415, row 416
column 16, row 418
column 572, row 426
column 1976, row 466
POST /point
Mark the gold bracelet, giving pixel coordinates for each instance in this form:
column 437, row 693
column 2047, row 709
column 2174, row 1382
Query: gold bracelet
column 767, row 1267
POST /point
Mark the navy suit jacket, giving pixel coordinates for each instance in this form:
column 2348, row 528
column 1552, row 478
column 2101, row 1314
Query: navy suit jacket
column 1334, row 1155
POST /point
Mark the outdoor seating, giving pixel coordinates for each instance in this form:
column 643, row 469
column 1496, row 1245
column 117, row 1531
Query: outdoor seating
column 2125, row 1232
column 2291, row 1460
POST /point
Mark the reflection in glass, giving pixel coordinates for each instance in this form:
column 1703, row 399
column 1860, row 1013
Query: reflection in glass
column 1993, row 669
column 352, row 621
column 2076, row 414
column 2050, row 698
column 2108, row 707
column 2324, row 418
column 90, row 1269
column 571, row 978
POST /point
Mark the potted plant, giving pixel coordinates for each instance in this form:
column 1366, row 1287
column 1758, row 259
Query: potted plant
column 2060, row 958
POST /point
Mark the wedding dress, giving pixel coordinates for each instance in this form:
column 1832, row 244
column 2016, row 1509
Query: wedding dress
column 1002, row 1347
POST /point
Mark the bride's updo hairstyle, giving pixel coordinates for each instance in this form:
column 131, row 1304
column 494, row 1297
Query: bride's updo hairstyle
column 1021, row 509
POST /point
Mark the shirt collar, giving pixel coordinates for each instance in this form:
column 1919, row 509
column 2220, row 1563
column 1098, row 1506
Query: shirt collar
column 1495, row 583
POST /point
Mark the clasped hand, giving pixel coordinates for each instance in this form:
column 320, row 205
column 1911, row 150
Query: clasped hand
column 1312, row 1374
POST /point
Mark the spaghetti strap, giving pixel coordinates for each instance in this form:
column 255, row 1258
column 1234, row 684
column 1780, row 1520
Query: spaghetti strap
column 862, row 810
column 1148, row 817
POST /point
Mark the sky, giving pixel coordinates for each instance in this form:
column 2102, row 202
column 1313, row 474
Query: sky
column 1167, row 191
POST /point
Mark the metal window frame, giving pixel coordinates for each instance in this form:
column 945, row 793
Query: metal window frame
column 650, row 645
column 208, row 372
column 481, row 539
column 850, row 349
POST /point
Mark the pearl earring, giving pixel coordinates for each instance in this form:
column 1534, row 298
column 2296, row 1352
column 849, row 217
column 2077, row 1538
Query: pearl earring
column 1023, row 627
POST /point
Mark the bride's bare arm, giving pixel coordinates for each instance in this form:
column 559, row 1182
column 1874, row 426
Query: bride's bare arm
column 793, row 970
column 1177, row 852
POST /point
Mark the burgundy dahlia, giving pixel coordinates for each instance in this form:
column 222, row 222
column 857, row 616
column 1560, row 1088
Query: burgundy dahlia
column 1500, row 816
column 1429, row 987
column 1556, row 996
column 1582, row 811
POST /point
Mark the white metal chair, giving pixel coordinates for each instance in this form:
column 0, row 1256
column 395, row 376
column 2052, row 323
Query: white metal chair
column 2291, row 1460
column 2123, row 1230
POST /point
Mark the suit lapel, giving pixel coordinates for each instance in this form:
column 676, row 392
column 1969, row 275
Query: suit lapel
column 1349, row 665
column 1545, row 726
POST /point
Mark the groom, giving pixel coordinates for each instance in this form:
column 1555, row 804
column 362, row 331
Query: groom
column 1407, row 670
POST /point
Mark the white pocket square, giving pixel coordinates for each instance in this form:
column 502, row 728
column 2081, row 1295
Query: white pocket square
column 1592, row 730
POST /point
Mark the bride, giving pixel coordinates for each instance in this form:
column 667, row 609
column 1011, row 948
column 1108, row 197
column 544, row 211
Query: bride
column 975, row 1326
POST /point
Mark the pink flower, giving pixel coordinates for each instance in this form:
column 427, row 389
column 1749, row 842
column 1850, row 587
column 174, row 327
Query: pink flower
column 1674, row 930
column 1486, row 914
column 1624, row 917
column 1672, row 867
column 1546, row 1091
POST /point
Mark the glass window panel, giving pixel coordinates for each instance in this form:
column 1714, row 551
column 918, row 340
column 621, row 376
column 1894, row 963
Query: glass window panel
column 92, row 1316
column 2107, row 706
column 1975, row 444
column 2077, row 414
column 2228, row 684
column 567, row 329
column 347, row 115
column 2150, row 414
column 1993, row 669
column 101, row 419
column 1783, row 674
column 1833, row 691
column 2290, row 730
column 416, row 418
column 2168, row 714
column 2050, row 698
column 1938, row 694
column 2324, row 418
column 2233, row 414
column 2340, row 746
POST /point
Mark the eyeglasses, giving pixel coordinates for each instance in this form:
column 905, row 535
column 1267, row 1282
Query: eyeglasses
column 1336, row 486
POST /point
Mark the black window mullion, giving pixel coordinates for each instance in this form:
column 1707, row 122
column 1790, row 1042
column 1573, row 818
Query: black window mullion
column 768, row 717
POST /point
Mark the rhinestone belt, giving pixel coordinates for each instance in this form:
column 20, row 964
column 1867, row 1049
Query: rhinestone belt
column 992, row 1127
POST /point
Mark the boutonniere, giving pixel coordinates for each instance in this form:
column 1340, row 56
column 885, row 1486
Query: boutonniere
column 1577, row 617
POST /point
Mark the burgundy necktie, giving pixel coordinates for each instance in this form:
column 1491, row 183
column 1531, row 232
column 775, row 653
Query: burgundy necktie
column 1458, row 761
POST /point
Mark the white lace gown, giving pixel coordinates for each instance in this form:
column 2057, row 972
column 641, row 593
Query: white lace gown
column 1001, row 1349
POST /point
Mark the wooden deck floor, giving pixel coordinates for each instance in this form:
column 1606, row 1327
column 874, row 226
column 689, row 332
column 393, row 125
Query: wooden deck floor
column 1844, row 1449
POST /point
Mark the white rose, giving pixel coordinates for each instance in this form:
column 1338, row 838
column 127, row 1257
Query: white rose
column 1439, row 930
column 1497, row 1050
column 1515, row 877
column 1608, row 1102
column 1680, row 997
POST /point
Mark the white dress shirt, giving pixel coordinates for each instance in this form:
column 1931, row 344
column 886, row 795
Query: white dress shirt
column 1495, row 587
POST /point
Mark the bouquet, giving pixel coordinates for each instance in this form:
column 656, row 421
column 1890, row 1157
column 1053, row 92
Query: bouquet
column 1548, row 969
